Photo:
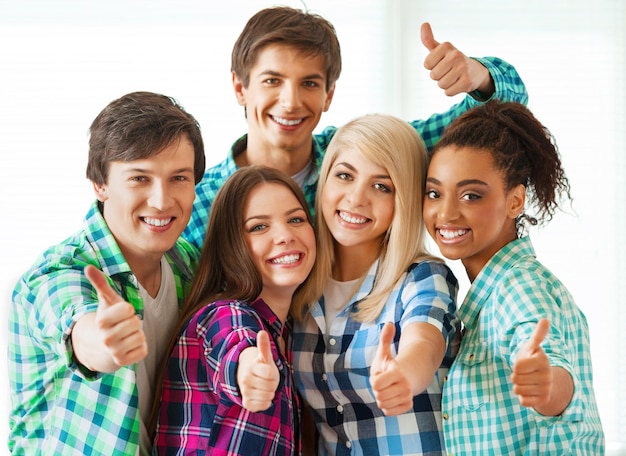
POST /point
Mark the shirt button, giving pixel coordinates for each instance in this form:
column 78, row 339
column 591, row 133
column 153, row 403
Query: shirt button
column 445, row 416
column 471, row 357
column 332, row 341
column 340, row 408
column 348, row 445
column 324, row 377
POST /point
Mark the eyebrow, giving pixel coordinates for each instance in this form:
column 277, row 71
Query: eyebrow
column 149, row 171
column 350, row 167
column 462, row 183
column 276, row 73
column 265, row 217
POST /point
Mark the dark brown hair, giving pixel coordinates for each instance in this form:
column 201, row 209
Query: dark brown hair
column 522, row 148
column 226, row 269
column 307, row 32
column 140, row 125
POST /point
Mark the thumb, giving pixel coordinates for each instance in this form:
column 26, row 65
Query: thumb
column 264, row 347
column 538, row 335
column 107, row 296
column 383, row 353
column 428, row 39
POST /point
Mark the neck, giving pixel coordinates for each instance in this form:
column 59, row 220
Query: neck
column 289, row 161
column 352, row 262
column 148, row 274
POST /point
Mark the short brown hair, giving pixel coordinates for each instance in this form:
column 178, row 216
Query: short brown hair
column 304, row 31
column 140, row 125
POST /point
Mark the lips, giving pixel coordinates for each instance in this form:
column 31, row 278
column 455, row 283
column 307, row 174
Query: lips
column 157, row 222
column 350, row 218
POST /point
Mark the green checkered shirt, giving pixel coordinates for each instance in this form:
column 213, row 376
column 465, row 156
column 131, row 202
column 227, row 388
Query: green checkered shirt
column 482, row 415
column 58, row 407
column 508, row 87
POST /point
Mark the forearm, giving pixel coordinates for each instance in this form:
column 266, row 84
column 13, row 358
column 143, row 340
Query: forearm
column 420, row 354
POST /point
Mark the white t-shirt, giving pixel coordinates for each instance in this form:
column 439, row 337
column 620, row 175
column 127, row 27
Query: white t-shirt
column 336, row 297
column 160, row 315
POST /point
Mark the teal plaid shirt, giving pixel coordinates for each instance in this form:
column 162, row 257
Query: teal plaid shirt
column 508, row 87
column 482, row 415
column 57, row 406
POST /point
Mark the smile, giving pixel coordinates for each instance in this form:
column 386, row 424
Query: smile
column 352, row 219
column 452, row 234
column 156, row 221
column 287, row 259
column 287, row 122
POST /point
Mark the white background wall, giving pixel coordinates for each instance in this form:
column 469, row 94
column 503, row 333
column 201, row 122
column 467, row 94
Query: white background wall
column 62, row 61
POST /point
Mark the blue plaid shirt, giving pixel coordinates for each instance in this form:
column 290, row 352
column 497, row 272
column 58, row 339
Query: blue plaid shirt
column 482, row 414
column 508, row 87
column 59, row 407
column 333, row 372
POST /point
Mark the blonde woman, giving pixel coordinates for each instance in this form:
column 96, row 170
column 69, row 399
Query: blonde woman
column 372, row 353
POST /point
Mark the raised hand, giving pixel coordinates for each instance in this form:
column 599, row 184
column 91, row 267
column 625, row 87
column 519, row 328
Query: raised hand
column 257, row 375
column 454, row 72
column 391, row 386
column 119, row 329
column 532, row 374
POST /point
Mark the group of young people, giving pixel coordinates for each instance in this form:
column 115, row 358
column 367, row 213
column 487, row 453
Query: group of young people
column 301, row 312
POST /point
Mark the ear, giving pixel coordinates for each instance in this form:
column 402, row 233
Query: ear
column 329, row 98
column 100, row 191
column 517, row 200
column 239, row 89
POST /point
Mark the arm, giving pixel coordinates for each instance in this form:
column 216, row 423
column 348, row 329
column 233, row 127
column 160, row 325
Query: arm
column 111, row 337
column 456, row 73
column 548, row 389
column 396, row 381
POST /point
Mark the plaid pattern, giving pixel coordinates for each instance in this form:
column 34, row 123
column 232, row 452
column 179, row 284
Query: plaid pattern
column 201, row 409
column 511, row 293
column 59, row 407
column 509, row 87
column 332, row 373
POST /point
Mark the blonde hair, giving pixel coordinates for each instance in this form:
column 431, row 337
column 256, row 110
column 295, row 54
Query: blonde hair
column 392, row 143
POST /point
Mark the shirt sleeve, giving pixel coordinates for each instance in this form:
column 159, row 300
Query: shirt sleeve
column 508, row 87
column 230, row 330
column 524, row 297
column 429, row 295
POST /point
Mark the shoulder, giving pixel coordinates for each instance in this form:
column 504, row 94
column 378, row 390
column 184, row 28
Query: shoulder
column 431, row 270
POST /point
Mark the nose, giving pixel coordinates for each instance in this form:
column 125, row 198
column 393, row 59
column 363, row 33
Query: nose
column 290, row 99
column 357, row 195
column 447, row 209
column 160, row 197
column 283, row 233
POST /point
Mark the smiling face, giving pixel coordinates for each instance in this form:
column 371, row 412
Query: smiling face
column 358, row 204
column 280, row 240
column 285, row 99
column 148, row 202
column 467, row 209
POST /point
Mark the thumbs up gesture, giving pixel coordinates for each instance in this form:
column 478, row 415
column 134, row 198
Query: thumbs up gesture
column 532, row 374
column 391, row 386
column 257, row 375
column 454, row 72
column 119, row 329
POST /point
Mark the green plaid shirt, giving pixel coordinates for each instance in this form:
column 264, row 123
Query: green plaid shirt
column 508, row 87
column 482, row 414
column 59, row 407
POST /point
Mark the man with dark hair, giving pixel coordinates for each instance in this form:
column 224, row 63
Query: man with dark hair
column 89, row 320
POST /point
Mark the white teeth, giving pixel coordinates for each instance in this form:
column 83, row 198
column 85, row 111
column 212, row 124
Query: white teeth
column 451, row 234
column 156, row 221
column 287, row 122
column 351, row 219
column 287, row 259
